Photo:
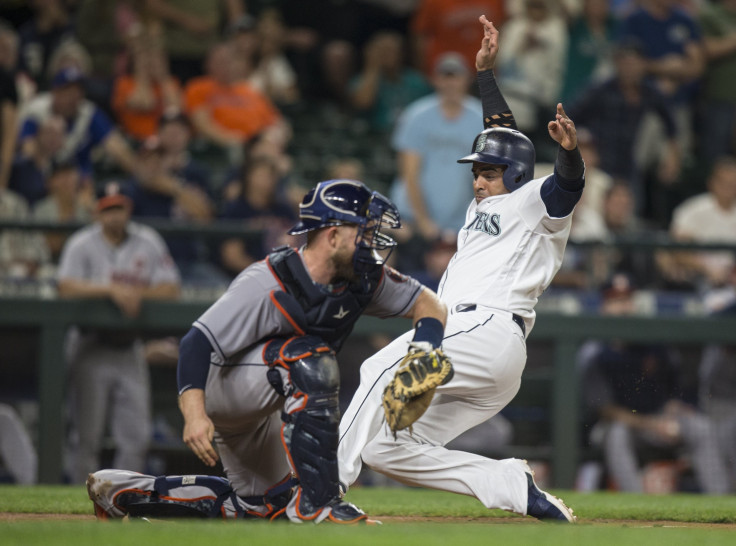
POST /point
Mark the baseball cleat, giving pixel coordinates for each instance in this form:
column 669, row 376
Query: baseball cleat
column 346, row 512
column 544, row 506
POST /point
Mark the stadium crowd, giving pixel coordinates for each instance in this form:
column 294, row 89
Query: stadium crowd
column 226, row 111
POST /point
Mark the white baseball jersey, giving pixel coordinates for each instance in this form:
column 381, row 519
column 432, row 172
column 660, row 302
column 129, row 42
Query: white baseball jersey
column 508, row 251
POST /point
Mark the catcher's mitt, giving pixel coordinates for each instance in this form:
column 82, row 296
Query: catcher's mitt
column 408, row 395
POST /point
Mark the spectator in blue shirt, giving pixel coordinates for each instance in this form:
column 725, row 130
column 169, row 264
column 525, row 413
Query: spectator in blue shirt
column 87, row 127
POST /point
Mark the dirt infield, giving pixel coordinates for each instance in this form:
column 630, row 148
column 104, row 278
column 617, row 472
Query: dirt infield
column 11, row 517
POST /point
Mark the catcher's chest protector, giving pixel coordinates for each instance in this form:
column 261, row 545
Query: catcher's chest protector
column 330, row 315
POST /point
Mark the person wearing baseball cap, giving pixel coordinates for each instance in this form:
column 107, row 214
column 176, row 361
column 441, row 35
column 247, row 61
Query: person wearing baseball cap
column 125, row 263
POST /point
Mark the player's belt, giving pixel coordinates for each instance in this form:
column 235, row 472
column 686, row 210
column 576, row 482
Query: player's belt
column 464, row 308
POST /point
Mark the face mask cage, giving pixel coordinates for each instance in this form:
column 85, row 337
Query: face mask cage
column 373, row 246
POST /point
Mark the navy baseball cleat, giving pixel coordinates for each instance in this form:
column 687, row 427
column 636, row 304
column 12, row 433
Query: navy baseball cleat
column 544, row 506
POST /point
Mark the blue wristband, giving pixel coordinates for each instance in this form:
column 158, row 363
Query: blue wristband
column 430, row 330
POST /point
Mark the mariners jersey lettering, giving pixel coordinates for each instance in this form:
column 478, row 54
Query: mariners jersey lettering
column 508, row 251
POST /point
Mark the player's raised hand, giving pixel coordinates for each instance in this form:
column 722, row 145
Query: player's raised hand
column 562, row 129
column 486, row 56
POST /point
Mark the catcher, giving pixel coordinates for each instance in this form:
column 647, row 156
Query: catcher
column 258, row 372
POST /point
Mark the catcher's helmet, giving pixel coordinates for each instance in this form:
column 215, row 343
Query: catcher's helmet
column 335, row 202
column 503, row 146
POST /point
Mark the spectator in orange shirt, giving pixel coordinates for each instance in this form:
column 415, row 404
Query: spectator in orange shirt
column 141, row 97
column 225, row 110
column 439, row 26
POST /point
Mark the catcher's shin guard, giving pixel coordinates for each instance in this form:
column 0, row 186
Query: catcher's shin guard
column 117, row 493
column 310, row 430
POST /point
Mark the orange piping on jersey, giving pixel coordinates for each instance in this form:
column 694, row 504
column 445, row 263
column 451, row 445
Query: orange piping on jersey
column 286, row 315
column 275, row 276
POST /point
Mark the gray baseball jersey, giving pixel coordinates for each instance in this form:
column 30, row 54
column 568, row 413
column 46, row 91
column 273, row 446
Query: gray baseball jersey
column 109, row 374
column 142, row 259
column 249, row 313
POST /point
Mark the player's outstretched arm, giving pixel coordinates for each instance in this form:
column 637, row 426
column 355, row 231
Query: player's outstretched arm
column 496, row 113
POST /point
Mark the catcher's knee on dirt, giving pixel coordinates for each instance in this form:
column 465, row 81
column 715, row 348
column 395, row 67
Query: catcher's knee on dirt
column 311, row 415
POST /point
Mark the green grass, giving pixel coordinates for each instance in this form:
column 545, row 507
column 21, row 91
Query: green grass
column 469, row 525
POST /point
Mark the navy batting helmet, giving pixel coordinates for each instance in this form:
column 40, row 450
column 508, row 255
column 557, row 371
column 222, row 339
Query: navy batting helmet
column 336, row 202
column 503, row 146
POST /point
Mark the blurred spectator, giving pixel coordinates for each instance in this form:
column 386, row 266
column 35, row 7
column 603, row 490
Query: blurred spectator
column 272, row 72
column 142, row 96
column 336, row 69
column 706, row 218
column 25, row 86
column 101, row 28
column 634, row 397
column 436, row 257
column 672, row 47
column 175, row 135
column 29, row 173
column 589, row 48
column 191, row 29
column 242, row 37
column 87, row 127
column 164, row 192
column 40, row 37
column 22, row 252
column 717, row 134
column 347, row 168
column 259, row 207
column 71, row 54
column 430, row 135
column 386, row 85
column 717, row 398
column 8, row 125
column 17, row 452
column 530, row 66
column 269, row 145
column 127, row 263
column 440, row 26
column 66, row 202
column 614, row 111
column 226, row 111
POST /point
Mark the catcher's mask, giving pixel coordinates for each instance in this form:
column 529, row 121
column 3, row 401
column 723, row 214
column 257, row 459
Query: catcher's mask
column 336, row 202
column 503, row 146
